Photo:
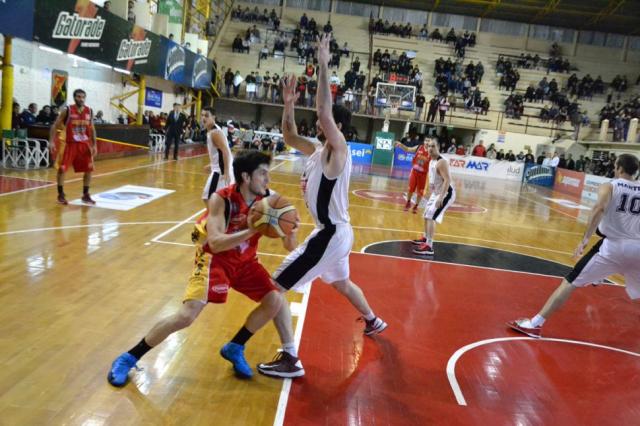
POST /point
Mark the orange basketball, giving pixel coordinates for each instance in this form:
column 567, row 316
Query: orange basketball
column 273, row 217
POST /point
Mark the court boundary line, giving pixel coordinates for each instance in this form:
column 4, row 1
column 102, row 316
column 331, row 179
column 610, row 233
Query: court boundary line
column 451, row 363
column 90, row 225
column 102, row 174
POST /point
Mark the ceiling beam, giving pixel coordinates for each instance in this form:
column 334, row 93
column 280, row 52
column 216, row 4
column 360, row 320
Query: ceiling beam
column 608, row 10
column 490, row 8
column 550, row 7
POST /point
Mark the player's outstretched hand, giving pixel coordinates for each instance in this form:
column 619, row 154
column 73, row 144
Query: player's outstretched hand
column 289, row 94
column 578, row 252
column 324, row 54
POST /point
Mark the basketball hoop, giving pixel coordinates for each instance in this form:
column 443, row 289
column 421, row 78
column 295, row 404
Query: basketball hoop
column 393, row 108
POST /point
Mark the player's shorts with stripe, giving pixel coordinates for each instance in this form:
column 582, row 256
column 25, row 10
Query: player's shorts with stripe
column 432, row 211
column 212, row 278
column 324, row 254
column 417, row 181
column 214, row 183
column 76, row 154
column 606, row 258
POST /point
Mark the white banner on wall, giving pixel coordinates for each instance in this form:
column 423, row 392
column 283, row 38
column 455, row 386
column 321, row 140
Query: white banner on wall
column 591, row 185
column 480, row 166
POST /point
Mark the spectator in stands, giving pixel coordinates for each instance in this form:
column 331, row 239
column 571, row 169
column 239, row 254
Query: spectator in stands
column 510, row 156
column 571, row 164
column 304, row 21
column 443, row 106
column 275, row 88
column 237, row 81
column 344, row 50
column 420, row 101
column 312, row 26
column 479, row 150
column 44, row 116
column 98, row 119
column 491, row 152
column 530, row 94
column 131, row 16
column 451, row 36
column 424, row 33
column 107, row 6
column 579, row 165
column 264, row 52
column 435, row 35
column 327, row 27
column 562, row 162
column 433, row 109
column 250, row 82
column 529, row 158
column 237, row 46
column 15, row 116
column 555, row 160
column 355, row 65
column 520, row 157
column 228, row 81
column 500, row 155
column 485, row 105
column 28, row 116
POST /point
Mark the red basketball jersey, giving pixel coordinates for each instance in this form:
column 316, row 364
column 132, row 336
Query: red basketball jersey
column 421, row 160
column 236, row 212
column 78, row 128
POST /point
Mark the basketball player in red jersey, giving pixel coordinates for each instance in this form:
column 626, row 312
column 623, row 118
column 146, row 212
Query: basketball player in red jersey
column 78, row 146
column 419, row 172
column 225, row 258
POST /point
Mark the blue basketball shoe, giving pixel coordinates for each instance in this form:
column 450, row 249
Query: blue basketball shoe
column 234, row 353
column 119, row 372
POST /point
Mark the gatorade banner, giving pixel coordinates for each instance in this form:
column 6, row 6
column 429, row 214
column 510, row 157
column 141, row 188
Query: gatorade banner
column 153, row 98
column 59, row 80
column 82, row 28
column 16, row 18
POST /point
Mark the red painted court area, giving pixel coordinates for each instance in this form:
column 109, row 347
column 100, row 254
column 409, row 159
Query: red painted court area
column 433, row 310
column 14, row 184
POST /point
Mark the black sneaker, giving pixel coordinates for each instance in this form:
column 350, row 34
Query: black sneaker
column 419, row 241
column 283, row 365
column 375, row 326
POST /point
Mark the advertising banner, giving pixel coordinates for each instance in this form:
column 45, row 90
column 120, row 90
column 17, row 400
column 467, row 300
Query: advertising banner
column 480, row 166
column 171, row 8
column 591, row 185
column 569, row 182
column 402, row 159
column 59, row 80
column 81, row 28
column 361, row 153
column 383, row 148
column 182, row 66
column 153, row 98
column 539, row 175
column 16, row 18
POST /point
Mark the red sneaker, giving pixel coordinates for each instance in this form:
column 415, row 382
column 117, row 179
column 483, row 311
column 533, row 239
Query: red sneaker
column 524, row 326
column 62, row 200
column 415, row 209
column 424, row 249
column 406, row 206
column 419, row 241
column 86, row 198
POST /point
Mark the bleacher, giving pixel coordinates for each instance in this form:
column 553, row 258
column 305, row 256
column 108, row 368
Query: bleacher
column 354, row 30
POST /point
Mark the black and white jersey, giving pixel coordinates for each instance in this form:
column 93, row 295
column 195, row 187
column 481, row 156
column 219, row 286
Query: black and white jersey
column 621, row 218
column 216, row 158
column 326, row 199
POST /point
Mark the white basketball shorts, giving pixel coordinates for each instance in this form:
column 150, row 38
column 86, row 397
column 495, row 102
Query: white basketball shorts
column 433, row 212
column 606, row 258
column 324, row 254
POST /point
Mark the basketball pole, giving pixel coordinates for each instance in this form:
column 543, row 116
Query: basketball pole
column 7, row 85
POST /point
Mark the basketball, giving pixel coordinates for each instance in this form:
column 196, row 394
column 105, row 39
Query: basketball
column 273, row 217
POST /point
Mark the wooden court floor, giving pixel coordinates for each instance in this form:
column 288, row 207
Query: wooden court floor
column 79, row 285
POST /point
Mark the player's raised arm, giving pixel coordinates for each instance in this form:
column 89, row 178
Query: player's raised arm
column 334, row 137
column 406, row 148
column 217, row 239
column 289, row 128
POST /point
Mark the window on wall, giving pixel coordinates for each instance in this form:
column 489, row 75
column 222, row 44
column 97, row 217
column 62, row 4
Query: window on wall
column 503, row 27
column 356, row 9
column 458, row 22
column 321, row 5
column 545, row 32
column 593, row 38
column 615, row 40
column 634, row 43
column 415, row 17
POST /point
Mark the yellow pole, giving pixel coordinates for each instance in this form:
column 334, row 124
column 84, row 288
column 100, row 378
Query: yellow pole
column 141, row 94
column 7, row 85
column 185, row 13
column 198, row 106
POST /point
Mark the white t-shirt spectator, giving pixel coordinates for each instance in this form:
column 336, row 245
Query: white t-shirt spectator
column 554, row 161
column 334, row 79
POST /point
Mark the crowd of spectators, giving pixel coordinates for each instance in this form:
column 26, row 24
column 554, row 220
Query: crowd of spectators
column 620, row 115
column 460, row 40
column 31, row 116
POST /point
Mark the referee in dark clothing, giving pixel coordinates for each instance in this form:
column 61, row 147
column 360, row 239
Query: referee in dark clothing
column 173, row 131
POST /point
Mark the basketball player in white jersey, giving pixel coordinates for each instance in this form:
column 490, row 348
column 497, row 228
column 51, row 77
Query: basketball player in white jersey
column 442, row 197
column 615, row 218
column 220, row 159
column 325, row 186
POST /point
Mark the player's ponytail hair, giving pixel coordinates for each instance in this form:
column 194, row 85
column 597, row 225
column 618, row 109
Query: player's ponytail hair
column 248, row 161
